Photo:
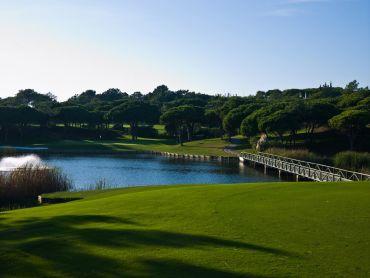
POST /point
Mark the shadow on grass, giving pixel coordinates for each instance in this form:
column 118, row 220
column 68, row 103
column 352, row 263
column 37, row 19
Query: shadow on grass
column 75, row 245
column 31, row 202
column 175, row 268
column 120, row 144
column 148, row 141
column 59, row 200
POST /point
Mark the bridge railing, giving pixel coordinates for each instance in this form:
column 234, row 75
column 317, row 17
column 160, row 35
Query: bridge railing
column 315, row 171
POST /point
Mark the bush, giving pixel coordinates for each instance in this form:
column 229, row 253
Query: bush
column 120, row 127
column 355, row 161
column 146, row 132
column 22, row 186
column 208, row 132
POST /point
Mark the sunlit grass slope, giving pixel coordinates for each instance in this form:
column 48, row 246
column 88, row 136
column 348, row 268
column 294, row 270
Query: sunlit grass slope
column 243, row 230
column 204, row 147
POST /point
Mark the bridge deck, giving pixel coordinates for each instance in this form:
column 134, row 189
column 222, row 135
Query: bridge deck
column 309, row 170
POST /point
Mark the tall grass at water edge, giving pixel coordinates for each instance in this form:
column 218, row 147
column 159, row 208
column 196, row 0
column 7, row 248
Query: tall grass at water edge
column 355, row 161
column 349, row 160
column 300, row 154
column 20, row 187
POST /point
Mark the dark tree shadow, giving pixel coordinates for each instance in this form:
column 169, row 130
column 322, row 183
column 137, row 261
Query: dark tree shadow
column 58, row 241
column 60, row 200
column 167, row 268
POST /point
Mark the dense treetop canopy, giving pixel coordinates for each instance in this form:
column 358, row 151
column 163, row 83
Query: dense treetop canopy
column 186, row 113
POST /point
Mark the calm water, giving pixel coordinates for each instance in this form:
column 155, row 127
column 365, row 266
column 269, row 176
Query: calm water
column 132, row 170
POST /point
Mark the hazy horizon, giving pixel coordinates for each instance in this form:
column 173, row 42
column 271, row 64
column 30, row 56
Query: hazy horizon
column 213, row 47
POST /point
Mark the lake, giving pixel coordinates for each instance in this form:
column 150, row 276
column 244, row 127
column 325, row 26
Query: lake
column 145, row 169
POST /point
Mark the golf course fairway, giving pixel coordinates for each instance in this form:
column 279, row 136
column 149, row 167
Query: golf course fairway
column 292, row 229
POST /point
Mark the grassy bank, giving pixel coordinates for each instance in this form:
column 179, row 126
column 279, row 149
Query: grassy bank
column 205, row 147
column 243, row 230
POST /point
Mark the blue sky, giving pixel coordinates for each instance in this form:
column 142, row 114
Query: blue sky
column 210, row 46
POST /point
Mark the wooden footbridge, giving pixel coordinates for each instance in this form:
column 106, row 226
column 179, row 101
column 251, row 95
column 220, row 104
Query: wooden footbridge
column 303, row 169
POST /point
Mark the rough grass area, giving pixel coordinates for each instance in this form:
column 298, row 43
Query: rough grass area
column 300, row 154
column 355, row 161
column 205, row 147
column 242, row 230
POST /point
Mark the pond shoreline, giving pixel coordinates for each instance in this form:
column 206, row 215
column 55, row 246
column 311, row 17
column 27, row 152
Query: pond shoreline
column 105, row 152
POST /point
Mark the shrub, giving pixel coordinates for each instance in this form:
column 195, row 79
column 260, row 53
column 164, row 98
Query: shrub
column 146, row 132
column 208, row 132
column 120, row 127
column 22, row 186
column 355, row 161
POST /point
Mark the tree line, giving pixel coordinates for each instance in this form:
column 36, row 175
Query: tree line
column 276, row 114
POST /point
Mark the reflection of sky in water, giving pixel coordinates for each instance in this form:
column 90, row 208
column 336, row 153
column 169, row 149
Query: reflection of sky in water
column 131, row 170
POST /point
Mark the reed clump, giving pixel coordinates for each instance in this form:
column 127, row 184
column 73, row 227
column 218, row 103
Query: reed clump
column 300, row 154
column 21, row 186
column 101, row 184
column 356, row 161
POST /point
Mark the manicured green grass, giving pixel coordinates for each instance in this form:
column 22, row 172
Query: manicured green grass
column 204, row 147
column 242, row 230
